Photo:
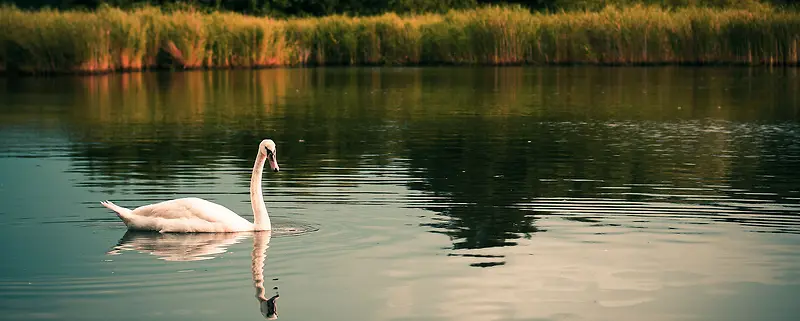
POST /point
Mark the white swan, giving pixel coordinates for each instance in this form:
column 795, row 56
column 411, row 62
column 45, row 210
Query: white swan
column 190, row 215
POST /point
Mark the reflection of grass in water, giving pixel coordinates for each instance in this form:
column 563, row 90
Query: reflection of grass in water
column 153, row 132
column 485, row 137
column 209, row 118
column 112, row 39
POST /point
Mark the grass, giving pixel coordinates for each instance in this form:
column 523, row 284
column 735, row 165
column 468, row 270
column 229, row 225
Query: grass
column 109, row 39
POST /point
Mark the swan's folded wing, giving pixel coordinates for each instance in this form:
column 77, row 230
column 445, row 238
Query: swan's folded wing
column 187, row 208
column 187, row 215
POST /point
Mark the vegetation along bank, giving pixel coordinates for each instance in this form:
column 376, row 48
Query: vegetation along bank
column 112, row 39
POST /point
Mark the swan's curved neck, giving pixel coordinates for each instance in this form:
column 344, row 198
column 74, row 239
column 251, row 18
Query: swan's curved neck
column 260, row 215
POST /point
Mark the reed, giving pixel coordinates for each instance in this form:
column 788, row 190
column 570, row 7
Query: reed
column 341, row 40
column 127, row 38
column 112, row 39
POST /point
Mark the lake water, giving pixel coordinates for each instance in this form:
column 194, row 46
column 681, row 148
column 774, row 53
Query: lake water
column 556, row 193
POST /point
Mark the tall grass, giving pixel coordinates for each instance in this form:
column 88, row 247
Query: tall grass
column 111, row 39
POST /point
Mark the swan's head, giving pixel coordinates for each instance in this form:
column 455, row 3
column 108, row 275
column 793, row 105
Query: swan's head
column 267, row 148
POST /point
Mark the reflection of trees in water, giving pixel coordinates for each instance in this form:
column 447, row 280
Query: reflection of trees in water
column 477, row 178
column 478, row 174
column 482, row 139
column 573, row 132
column 157, row 127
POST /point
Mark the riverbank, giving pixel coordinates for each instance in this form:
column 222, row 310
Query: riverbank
column 110, row 39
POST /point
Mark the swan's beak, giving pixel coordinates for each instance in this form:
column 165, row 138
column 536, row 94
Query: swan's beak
column 273, row 163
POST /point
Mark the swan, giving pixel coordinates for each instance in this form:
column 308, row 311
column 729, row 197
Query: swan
column 195, row 215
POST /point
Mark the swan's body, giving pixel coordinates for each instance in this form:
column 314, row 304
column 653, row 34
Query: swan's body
column 185, row 215
column 189, row 215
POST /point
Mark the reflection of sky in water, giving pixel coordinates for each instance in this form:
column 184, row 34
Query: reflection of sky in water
column 466, row 194
column 573, row 270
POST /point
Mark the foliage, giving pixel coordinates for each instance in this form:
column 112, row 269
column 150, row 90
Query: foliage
column 112, row 39
column 303, row 8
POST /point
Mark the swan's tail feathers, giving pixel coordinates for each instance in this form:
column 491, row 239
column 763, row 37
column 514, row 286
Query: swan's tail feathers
column 121, row 211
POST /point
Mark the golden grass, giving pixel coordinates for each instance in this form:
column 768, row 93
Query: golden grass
column 111, row 39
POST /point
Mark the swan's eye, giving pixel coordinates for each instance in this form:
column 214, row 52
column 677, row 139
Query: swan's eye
column 270, row 153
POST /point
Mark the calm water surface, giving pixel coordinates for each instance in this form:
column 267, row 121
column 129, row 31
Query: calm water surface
column 408, row 194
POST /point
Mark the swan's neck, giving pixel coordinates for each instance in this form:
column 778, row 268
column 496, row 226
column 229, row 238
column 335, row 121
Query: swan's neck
column 260, row 215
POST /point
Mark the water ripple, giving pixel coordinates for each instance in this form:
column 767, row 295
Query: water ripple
column 775, row 218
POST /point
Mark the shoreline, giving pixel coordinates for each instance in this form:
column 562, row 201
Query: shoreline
column 80, row 73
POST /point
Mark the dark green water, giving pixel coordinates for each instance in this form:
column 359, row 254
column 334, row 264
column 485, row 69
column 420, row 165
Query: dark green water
column 409, row 194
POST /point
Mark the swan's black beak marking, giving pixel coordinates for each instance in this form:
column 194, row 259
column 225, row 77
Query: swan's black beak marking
column 272, row 161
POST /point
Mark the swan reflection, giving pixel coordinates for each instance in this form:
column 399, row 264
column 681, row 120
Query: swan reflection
column 203, row 246
column 177, row 247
